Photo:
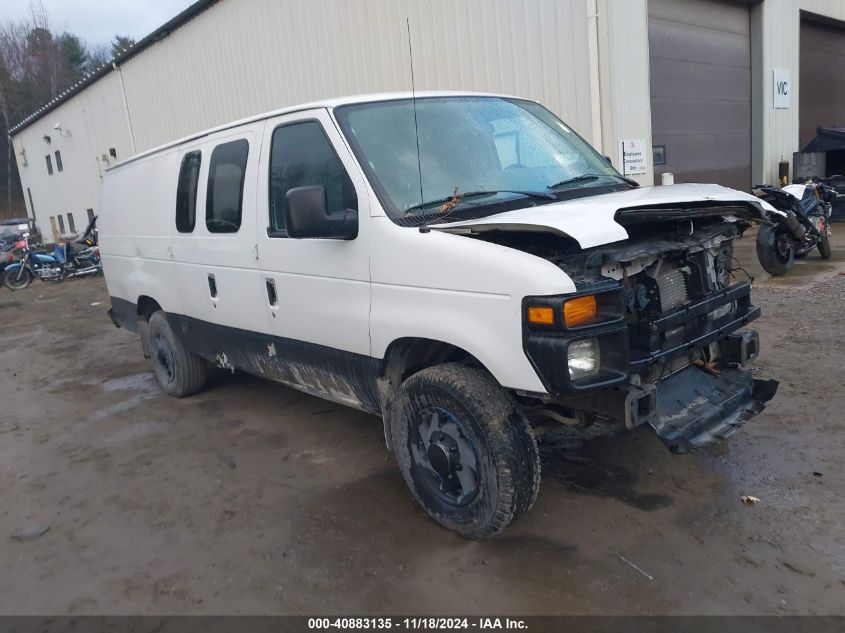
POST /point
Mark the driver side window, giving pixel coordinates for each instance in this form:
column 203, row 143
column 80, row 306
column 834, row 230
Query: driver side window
column 301, row 156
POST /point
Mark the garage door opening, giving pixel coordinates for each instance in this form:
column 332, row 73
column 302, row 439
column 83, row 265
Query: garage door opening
column 822, row 90
column 700, row 73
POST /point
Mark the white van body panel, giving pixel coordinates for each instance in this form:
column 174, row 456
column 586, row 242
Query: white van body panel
column 144, row 255
column 230, row 257
column 323, row 285
column 460, row 291
column 136, row 249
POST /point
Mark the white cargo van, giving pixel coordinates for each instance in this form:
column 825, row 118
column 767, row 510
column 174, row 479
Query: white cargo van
column 464, row 266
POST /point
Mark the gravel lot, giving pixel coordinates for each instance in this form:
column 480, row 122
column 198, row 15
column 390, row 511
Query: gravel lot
column 253, row 498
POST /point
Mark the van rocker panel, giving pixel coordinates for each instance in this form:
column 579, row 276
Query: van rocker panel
column 318, row 370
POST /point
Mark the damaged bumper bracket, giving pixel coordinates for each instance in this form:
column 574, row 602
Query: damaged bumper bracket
column 695, row 408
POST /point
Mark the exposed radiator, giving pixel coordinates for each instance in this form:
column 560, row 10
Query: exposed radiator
column 673, row 289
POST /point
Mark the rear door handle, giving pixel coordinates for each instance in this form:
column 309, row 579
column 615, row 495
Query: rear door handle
column 212, row 286
column 272, row 298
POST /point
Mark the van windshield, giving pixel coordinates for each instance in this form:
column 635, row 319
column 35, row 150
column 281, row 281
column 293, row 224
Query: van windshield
column 477, row 156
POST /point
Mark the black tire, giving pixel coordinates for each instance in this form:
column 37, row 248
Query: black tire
column 17, row 279
column 179, row 372
column 774, row 249
column 824, row 247
column 458, row 405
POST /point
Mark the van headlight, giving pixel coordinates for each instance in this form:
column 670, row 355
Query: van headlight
column 583, row 359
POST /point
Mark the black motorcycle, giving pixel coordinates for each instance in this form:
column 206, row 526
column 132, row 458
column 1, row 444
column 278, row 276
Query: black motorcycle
column 83, row 253
column 802, row 225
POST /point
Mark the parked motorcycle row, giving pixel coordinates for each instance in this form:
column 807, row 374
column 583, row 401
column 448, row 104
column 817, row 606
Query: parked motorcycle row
column 79, row 258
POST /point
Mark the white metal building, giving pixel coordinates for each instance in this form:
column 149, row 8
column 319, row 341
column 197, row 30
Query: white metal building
column 690, row 86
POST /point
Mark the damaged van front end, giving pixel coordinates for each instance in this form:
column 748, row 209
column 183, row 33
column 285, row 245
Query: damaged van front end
column 655, row 333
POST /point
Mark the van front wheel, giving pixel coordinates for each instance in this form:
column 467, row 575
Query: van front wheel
column 178, row 372
column 465, row 450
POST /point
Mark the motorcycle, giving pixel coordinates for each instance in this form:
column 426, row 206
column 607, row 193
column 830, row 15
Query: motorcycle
column 803, row 225
column 83, row 252
column 56, row 266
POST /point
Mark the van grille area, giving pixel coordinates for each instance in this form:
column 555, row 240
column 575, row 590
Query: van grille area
column 677, row 306
column 661, row 372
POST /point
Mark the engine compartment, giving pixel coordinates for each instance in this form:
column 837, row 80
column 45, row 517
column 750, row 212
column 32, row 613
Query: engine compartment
column 683, row 299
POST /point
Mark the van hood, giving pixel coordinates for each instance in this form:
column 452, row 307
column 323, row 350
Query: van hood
column 592, row 221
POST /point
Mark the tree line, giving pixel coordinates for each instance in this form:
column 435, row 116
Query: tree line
column 38, row 63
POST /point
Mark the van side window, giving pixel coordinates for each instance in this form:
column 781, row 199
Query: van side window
column 300, row 156
column 186, row 192
column 224, row 195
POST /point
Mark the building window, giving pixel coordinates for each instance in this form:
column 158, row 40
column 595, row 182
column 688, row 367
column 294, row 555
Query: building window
column 61, row 224
column 300, row 156
column 71, row 224
column 90, row 213
column 186, row 192
column 49, row 165
column 225, row 190
column 59, row 165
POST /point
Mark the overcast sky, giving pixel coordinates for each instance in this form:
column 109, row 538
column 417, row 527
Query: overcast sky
column 98, row 21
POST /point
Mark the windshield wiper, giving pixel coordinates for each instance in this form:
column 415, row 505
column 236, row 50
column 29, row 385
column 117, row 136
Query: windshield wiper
column 591, row 177
column 544, row 195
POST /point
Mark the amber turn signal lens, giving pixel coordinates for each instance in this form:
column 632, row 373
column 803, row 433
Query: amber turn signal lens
column 579, row 311
column 541, row 315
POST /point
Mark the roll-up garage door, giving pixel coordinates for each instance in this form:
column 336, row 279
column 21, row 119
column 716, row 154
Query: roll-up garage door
column 822, row 83
column 700, row 63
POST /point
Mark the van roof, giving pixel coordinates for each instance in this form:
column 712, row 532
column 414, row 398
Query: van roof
column 325, row 103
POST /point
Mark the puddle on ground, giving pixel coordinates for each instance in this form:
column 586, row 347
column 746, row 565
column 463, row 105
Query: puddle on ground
column 582, row 467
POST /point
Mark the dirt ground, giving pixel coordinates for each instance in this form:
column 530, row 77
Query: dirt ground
column 252, row 498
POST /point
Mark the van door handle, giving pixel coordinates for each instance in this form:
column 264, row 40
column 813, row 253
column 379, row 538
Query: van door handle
column 212, row 286
column 271, row 292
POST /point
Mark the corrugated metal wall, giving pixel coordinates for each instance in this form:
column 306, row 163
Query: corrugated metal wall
column 243, row 57
column 93, row 121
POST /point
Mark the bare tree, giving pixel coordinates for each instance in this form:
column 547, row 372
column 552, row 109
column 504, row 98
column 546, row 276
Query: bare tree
column 36, row 65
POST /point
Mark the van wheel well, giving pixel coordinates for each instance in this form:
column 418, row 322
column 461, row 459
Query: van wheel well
column 404, row 358
column 407, row 356
column 146, row 307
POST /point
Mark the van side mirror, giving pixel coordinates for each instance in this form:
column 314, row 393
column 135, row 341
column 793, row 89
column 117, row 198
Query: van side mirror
column 608, row 160
column 306, row 216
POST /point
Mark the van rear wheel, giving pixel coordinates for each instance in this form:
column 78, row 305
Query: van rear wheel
column 465, row 450
column 178, row 372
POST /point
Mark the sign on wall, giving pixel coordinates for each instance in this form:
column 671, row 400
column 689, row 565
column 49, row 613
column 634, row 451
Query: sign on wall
column 632, row 156
column 783, row 89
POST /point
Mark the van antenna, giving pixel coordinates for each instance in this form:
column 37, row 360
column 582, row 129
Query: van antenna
column 414, row 100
